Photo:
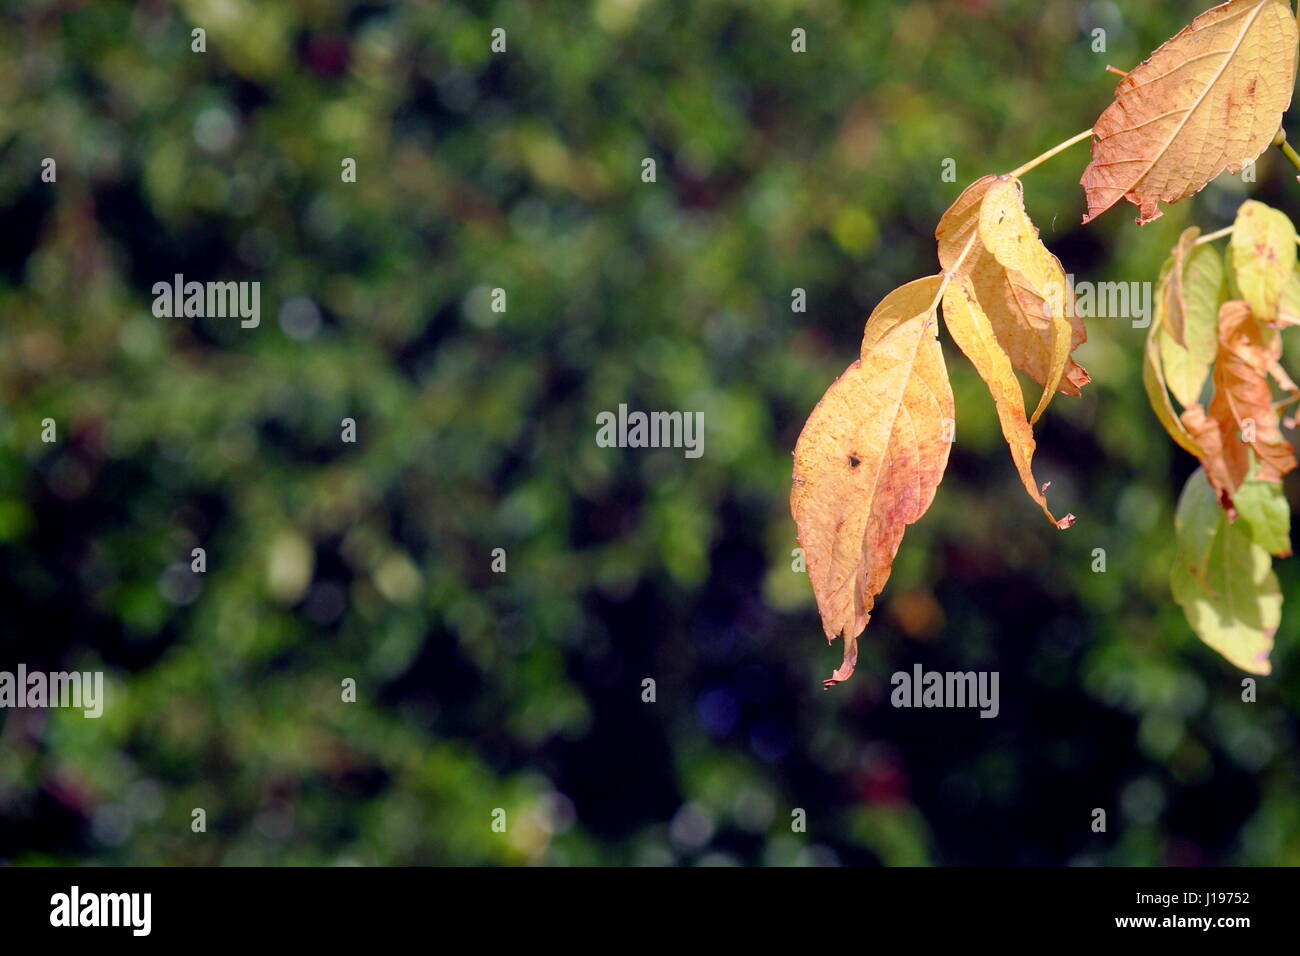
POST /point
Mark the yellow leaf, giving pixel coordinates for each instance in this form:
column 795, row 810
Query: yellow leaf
column 870, row 459
column 1264, row 256
column 1021, row 287
column 1209, row 99
column 971, row 330
column 1034, row 273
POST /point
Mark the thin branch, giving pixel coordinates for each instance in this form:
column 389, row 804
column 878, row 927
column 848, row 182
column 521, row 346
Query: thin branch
column 1059, row 148
column 950, row 274
column 1281, row 142
column 1286, row 402
column 1227, row 231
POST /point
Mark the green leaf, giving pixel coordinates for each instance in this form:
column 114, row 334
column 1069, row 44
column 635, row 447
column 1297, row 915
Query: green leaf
column 1196, row 522
column 1267, row 513
column 1264, row 256
column 1223, row 580
column 1230, row 269
column 1197, row 295
column 1153, row 380
column 1169, row 287
column 1288, row 307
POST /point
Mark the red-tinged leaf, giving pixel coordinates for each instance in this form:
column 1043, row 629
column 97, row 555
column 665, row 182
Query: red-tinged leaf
column 870, row 459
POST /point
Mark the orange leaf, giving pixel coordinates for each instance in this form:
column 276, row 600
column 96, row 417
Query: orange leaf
column 1206, row 433
column 1209, row 99
column 1241, row 417
column 870, row 459
column 1019, row 285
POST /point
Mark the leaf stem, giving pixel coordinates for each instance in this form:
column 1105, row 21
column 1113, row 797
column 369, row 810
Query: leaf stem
column 956, row 266
column 1278, row 406
column 1226, row 231
column 1280, row 142
column 1059, row 148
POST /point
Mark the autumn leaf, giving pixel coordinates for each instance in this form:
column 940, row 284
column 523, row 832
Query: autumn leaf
column 1207, row 434
column 1034, row 274
column 1263, row 256
column 1018, row 283
column 1242, row 405
column 870, row 459
column 1223, row 580
column 973, row 332
column 1209, row 99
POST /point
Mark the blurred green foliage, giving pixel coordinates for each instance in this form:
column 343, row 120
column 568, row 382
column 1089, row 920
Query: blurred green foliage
column 371, row 561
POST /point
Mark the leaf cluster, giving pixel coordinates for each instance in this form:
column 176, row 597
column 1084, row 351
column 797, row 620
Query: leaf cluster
column 873, row 452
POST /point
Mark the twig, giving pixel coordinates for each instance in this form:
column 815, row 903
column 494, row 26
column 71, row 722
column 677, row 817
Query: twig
column 1226, row 231
column 1059, row 148
column 1281, row 143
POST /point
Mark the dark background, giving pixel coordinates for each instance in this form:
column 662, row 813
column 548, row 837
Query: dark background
column 371, row 561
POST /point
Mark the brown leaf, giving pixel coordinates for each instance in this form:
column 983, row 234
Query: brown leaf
column 1207, row 434
column 1241, row 417
column 1017, row 285
column 870, row 459
column 1209, row 99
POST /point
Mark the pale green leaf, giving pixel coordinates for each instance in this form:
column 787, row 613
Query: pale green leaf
column 1153, row 380
column 1267, row 513
column 1197, row 296
column 1224, row 581
column 1195, row 524
column 1288, row 307
column 1264, row 255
